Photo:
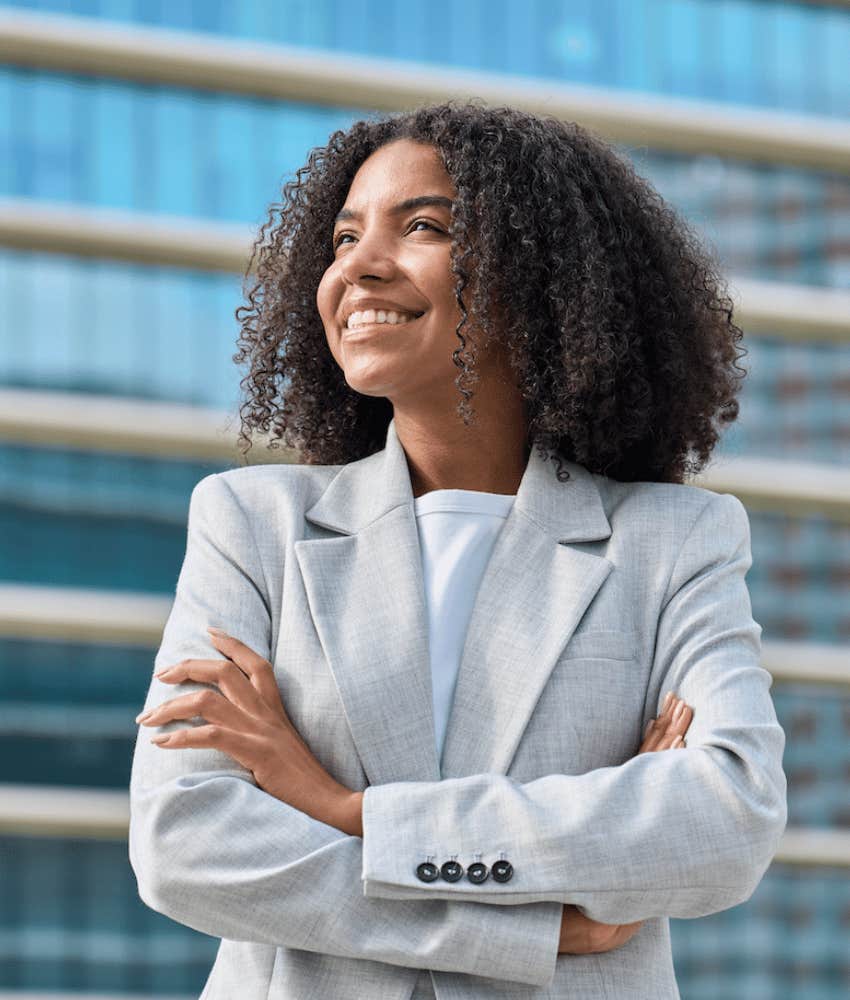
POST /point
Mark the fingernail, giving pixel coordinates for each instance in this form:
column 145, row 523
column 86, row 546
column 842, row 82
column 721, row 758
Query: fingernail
column 679, row 711
column 144, row 715
column 160, row 739
column 159, row 673
column 647, row 727
column 216, row 631
column 667, row 698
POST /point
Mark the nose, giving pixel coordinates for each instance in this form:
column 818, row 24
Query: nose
column 369, row 257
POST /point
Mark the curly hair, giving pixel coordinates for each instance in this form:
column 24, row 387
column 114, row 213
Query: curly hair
column 614, row 314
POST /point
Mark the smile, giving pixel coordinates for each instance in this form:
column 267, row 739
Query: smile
column 349, row 332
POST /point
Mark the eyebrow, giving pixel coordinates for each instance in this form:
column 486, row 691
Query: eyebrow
column 403, row 206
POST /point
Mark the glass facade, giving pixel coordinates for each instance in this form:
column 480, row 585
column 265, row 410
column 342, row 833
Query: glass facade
column 70, row 918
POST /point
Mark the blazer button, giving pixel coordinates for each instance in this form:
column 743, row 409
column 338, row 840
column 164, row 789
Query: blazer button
column 477, row 873
column 503, row 871
column 451, row 871
column 427, row 872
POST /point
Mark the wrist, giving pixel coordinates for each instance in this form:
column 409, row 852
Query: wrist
column 353, row 815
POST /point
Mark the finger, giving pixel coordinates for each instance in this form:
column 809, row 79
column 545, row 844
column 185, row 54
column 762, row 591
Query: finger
column 207, row 704
column 681, row 719
column 242, row 747
column 650, row 736
column 227, row 675
column 657, row 727
column 657, row 732
column 258, row 669
column 677, row 727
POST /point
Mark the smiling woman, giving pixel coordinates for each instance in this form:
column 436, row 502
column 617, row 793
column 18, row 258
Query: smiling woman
column 556, row 289
column 390, row 314
column 422, row 763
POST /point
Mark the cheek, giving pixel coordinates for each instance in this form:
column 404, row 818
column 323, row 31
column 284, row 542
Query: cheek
column 328, row 295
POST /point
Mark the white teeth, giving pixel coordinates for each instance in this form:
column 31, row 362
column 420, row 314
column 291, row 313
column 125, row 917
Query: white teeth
column 377, row 316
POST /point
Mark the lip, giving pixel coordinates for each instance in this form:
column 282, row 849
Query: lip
column 373, row 328
column 360, row 305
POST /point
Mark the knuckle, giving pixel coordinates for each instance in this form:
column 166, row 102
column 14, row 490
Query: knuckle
column 603, row 936
column 207, row 698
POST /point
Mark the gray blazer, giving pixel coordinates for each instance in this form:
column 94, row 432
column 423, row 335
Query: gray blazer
column 599, row 597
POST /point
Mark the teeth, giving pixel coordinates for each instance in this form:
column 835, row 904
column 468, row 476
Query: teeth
column 377, row 316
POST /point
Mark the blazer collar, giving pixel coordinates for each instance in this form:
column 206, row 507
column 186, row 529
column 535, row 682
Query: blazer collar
column 368, row 489
column 366, row 594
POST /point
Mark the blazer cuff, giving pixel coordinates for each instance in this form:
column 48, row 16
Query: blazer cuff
column 521, row 941
column 393, row 848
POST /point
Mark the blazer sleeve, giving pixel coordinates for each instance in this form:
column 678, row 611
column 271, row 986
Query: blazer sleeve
column 680, row 833
column 213, row 851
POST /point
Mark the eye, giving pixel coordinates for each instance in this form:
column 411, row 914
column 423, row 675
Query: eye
column 416, row 222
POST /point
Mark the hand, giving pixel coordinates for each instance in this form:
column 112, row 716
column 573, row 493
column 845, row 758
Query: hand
column 245, row 718
column 667, row 732
column 579, row 934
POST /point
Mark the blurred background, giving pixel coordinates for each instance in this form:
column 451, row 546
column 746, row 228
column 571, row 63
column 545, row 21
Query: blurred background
column 141, row 142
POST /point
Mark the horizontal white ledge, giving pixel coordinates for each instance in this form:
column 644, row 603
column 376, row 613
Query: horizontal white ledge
column 112, row 424
column 806, row 662
column 339, row 79
column 37, row 995
column 783, row 486
column 30, row 611
column 127, row 426
column 59, row 811
column 84, row 615
column 810, row 846
column 780, row 309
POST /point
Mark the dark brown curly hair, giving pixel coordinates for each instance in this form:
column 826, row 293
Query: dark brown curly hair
column 614, row 313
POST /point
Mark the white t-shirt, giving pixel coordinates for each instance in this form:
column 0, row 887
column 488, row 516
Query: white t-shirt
column 457, row 532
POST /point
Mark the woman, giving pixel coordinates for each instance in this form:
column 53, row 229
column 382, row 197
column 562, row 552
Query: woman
column 410, row 756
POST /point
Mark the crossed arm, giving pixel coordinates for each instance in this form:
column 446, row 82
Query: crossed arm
column 260, row 733
column 214, row 849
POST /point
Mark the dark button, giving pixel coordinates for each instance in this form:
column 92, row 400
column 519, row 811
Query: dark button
column 503, row 871
column 426, row 872
column 451, row 871
column 477, row 873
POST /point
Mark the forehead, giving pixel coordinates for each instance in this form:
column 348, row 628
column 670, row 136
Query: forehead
column 400, row 169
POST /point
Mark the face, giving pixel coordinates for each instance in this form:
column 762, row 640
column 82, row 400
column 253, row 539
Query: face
column 396, row 256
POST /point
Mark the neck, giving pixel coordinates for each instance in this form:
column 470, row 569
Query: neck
column 443, row 454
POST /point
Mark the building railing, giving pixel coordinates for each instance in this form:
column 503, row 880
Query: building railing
column 34, row 611
column 95, row 813
column 781, row 309
column 183, row 59
column 141, row 427
column 338, row 79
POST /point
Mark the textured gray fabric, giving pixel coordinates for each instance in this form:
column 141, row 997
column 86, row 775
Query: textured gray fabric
column 598, row 598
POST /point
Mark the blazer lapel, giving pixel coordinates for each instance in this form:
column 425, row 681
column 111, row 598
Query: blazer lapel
column 366, row 594
column 533, row 593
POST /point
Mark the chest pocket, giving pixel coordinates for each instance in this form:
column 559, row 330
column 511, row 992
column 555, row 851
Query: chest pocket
column 589, row 712
column 600, row 644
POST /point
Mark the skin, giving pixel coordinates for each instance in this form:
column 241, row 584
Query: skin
column 394, row 257
column 405, row 258
column 245, row 718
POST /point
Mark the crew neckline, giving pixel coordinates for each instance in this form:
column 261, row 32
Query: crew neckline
column 475, row 493
column 464, row 501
